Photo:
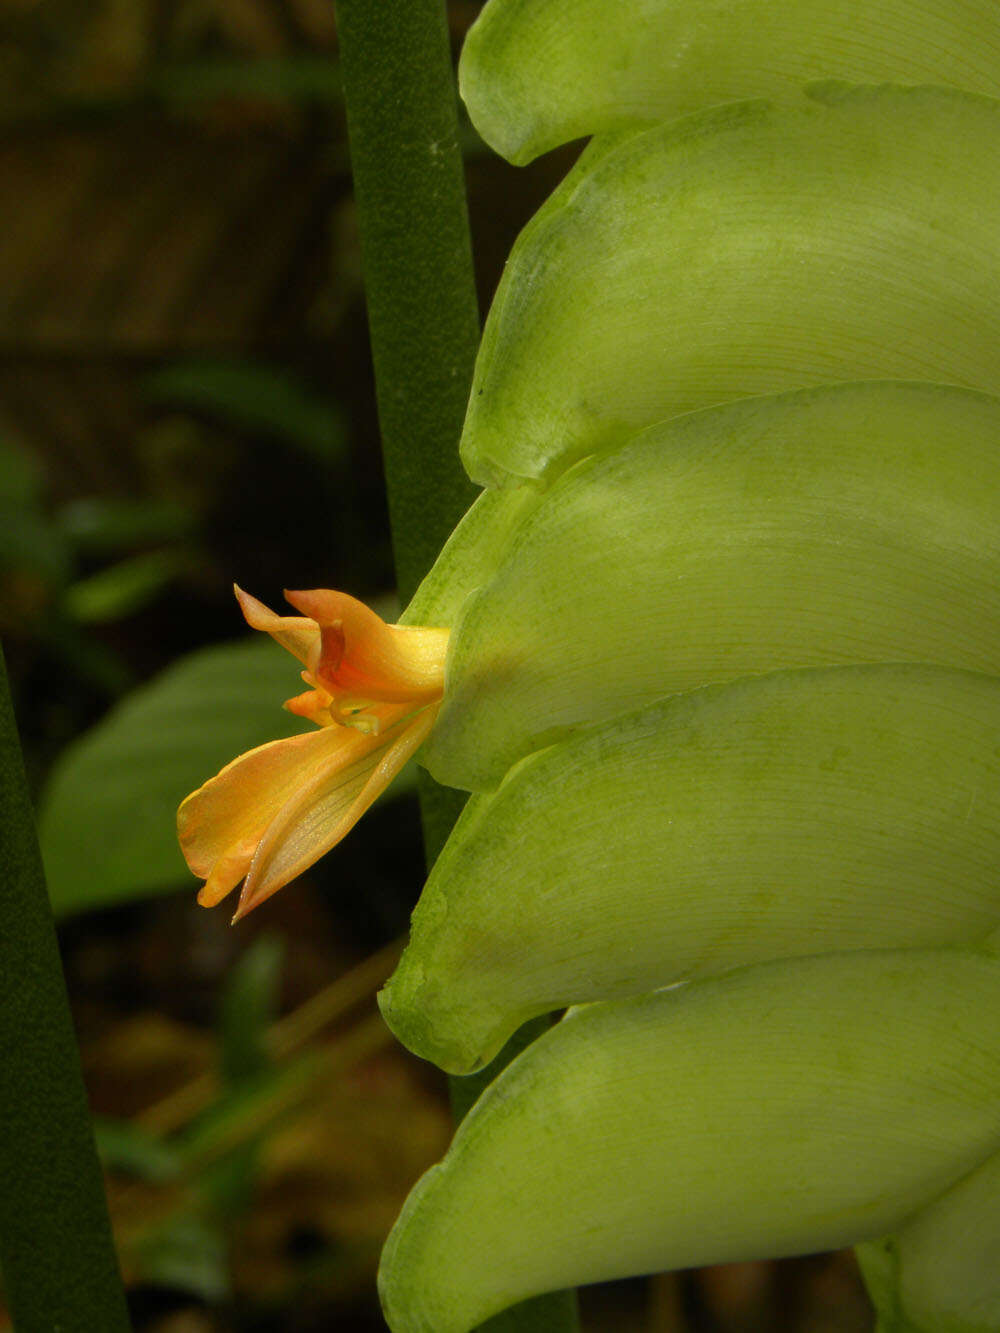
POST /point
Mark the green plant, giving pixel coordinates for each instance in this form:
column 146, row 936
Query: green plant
column 829, row 1071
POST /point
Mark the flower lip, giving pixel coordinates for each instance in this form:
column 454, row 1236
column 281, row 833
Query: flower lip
column 359, row 655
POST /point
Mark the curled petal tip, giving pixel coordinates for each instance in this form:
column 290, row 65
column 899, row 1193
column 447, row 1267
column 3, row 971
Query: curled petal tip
column 210, row 895
column 249, row 605
column 298, row 634
column 328, row 607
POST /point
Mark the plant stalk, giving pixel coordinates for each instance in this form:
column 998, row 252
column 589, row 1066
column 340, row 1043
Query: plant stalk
column 59, row 1265
column 402, row 120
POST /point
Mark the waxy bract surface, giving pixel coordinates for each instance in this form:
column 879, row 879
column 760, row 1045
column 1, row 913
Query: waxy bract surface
column 859, row 523
column 535, row 73
column 686, row 278
column 749, row 249
column 803, row 812
column 847, row 1091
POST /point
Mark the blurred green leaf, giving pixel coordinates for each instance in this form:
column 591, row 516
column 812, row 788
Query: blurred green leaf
column 20, row 474
column 246, row 1112
column 84, row 656
column 248, row 1008
column 29, row 542
column 104, row 527
column 107, row 821
column 190, row 1254
column 253, row 397
column 301, row 78
column 126, row 1147
column 180, row 84
column 227, row 1186
column 123, row 588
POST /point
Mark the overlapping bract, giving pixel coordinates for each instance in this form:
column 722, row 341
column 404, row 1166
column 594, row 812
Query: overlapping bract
column 844, row 536
column 816, row 809
column 849, row 524
column 746, row 249
column 788, row 1107
column 537, row 73
column 942, row 1268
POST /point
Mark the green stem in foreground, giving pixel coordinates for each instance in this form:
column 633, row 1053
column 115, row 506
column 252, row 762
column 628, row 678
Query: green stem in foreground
column 58, row 1258
column 423, row 316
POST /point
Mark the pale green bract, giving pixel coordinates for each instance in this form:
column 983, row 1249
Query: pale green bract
column 748, row 249
column 791, row 1106
column 536, row 73
column 942, row 1270
column 799, row 812
column 724, row 667
column 768, row 533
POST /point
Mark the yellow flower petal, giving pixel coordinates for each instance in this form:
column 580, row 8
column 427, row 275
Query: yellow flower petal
column 296, row 633
column 311, row 704
column 324, row 810
column 374, row 694
column 362, row 657
column 229, row 814
column 226, row 874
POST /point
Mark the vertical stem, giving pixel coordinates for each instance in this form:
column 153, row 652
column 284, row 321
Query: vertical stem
column 424, row 323
column 58, row 1258
column 423, row 315
column 424, row 320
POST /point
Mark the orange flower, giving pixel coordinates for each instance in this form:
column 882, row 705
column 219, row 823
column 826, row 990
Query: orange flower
column 374, row 691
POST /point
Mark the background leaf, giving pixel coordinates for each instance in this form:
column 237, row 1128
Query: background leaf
column 189, row 1254
column 108, row 814
column 28, row 542
column 123, row 588
column 100, row 526
column 302, row 78
column 254, row 396
column 127, row 1147
column 249, row 1004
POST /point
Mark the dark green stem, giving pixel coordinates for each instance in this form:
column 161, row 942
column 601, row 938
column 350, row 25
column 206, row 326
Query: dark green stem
column 58, row 1258
column 422, row 311
column 410, row 189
